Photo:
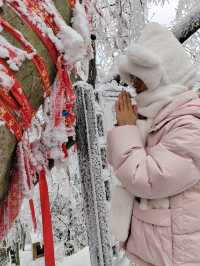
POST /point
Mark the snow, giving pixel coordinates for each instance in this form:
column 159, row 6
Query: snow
column 81, row 258
column 163, row 13
column 2, row 123
column 80, row 22
column 5, row 81
column 19, row 57
column 81, row 25
column 188, row 24
column 75, row 49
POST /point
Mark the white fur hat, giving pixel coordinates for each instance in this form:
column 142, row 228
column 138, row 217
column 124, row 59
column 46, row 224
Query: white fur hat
column 158, row 59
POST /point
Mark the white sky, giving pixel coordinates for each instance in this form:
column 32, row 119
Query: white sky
column 164, row 15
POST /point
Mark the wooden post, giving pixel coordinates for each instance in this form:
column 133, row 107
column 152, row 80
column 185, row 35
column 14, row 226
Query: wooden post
column 92, row 179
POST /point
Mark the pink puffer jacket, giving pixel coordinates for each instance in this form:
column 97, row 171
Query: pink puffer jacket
column 168, row 166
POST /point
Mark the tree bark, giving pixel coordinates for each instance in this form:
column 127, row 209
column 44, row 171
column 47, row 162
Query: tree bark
column 31, row 83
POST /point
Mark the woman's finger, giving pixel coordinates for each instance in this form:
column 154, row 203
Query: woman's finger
column 129, row 102
column 124, row 100
column 117, row 107
column 121, row 102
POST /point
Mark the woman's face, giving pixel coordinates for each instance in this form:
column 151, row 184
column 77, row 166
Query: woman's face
column 139, row 85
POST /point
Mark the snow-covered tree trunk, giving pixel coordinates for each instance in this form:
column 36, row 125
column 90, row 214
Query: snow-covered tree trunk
column 92, row 178
column 31, row 82
column 138, row 19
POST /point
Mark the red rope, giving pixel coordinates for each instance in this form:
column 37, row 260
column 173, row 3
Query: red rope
column 46, row 221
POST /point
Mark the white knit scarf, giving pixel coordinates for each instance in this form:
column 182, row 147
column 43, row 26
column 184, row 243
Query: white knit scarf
column 150, row 103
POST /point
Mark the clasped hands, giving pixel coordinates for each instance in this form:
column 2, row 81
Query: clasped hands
column 125, row 112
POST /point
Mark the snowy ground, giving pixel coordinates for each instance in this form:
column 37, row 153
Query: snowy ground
column 82, row 258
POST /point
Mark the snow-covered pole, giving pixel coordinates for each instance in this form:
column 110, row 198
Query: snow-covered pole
column 92, row 64
column 186, row 27
column 91, row 178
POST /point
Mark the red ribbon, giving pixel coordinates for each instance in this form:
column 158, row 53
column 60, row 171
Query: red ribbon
column 64, row 88
column 10, row 121
column 32, row 208
column 46, row 221
column 26, row 110
column 10, row 207
column 29, row 174
column 35, row 10
column 37, row 60
column 8, row 100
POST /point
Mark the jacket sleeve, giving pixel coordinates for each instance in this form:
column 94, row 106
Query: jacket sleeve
column 166, row 169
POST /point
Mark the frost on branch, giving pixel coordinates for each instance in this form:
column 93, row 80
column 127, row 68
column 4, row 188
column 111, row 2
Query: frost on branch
column 186, row 27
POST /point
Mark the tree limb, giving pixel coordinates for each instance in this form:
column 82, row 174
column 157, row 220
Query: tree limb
column 184, row 29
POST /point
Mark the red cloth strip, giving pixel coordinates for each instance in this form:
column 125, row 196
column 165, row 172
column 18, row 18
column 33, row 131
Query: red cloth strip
column 45, row 39
column 32, row 208
column 64, row 88
column 37, row 60
column 29, row 182
column 46, row 221
column 26, row 110
column 36, row 7
column 12, row 124
column 8, row 100
column 10, row 207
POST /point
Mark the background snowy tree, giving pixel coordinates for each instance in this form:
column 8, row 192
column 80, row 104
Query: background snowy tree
column 116, row 24
column 121, row 21
column 192, row 44
column 67, row 206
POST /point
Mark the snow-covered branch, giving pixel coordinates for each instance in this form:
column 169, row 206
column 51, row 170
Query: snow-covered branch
column 186, row 27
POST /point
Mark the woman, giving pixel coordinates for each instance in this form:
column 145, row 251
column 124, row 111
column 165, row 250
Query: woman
column 155, row 152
